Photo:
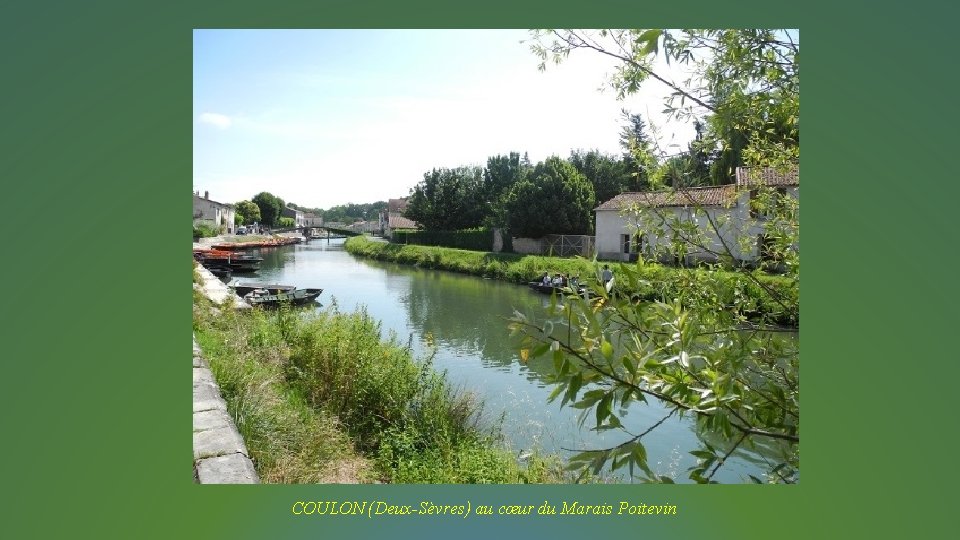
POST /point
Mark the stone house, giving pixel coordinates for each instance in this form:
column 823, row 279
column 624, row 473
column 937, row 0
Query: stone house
column 213, row 212
column 296, row 215
column 721, row 214
column 392, row 219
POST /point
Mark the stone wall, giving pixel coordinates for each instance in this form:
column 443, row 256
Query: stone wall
column 219, row 453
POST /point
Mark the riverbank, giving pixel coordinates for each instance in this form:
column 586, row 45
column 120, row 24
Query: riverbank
column 321, row 397
column 752, row 295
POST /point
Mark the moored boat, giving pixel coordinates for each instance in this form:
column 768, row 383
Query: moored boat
column 243, row 289
column 222, row 272
column 297, row 297
column 236, row 262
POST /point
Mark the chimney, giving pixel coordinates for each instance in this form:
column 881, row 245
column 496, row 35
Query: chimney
column 206, row 195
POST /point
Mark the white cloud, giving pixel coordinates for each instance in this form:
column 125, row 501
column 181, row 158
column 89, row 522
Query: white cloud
column 222, row 121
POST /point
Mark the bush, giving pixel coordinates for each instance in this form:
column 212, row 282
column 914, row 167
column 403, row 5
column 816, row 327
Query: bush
column 206, row 230
column 472, row 239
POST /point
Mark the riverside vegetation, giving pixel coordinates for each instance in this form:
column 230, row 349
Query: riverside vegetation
column 322, row 397
column 747, row 297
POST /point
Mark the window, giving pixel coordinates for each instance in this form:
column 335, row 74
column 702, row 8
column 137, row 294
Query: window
column 625, row 243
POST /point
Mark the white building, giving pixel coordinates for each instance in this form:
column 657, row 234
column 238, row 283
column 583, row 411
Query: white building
column 718, row 220
column 312, row 220
column 296, row 215
column 213, row 212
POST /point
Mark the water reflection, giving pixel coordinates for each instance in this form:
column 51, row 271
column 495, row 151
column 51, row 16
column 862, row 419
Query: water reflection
column 465, row 318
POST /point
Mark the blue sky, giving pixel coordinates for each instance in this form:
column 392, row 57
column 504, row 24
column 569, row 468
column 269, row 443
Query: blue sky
column 327, row 117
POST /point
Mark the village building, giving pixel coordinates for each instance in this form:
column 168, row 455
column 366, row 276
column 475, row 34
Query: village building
column 213, row 213
column 296, row 215
column 722, row 220
column 392, row 218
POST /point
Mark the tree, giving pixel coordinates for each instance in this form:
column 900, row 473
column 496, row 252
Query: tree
column 500, row 175
column 248, row 212
column 703, row 353
column 638, row 156
column 448, row 199
column 555, row 199
column 608, row 175
column 270, row 207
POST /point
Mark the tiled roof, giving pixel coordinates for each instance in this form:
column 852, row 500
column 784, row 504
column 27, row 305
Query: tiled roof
column 769, row 176
column 703, row 196
column 397, row 221
column 397, row 205
column 199, row 198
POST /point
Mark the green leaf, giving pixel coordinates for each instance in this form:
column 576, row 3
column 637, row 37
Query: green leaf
column 604, row 408
column 607, row 349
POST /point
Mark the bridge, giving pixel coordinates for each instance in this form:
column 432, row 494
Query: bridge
column 325, row 232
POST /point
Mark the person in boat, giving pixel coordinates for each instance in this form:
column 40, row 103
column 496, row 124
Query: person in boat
column 557, row 280
column 606, row 275
column 575, row 282
column 545, row 279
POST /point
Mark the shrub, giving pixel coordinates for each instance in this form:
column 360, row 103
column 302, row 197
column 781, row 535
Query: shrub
column 206, row 230
column 471, row 239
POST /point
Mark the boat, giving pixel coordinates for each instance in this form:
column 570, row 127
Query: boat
column 297, row 297
column 550, row 289
column 222, row 272
column 243, row 289
column 237, row 263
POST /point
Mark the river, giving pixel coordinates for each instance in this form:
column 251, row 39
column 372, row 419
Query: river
column 465, row 319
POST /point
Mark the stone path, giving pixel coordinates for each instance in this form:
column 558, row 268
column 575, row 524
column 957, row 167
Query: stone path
column 219, row 453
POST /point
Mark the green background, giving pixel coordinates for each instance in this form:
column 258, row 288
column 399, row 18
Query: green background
column 97, row 119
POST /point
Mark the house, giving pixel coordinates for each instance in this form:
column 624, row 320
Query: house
column 312, row 220
column 715, row 219
column 361, row 226
column 392, row 219
column 294, row 214
column 213, row 212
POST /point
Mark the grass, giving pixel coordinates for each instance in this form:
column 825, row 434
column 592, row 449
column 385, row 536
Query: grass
column 753, row 294
column 314, row 394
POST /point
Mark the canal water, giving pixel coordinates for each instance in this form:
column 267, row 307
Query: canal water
column 465, row 319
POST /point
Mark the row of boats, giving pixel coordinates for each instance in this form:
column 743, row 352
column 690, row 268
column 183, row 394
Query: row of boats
column 223, row 264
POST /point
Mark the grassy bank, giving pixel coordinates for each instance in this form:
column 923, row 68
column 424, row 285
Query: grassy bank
column 752, row 295
column 323, row 398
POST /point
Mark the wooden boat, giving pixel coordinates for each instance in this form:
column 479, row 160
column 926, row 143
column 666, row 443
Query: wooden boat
column 297, row 297
column 236, row 262
column 222, row 272
column 243, row 289
column 550, row 289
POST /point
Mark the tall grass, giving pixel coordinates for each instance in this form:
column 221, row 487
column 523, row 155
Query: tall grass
column 753, row 295
column 292, row 380
column 288, row 441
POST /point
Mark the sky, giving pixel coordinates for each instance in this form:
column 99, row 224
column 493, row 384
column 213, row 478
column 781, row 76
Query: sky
column 328, row 117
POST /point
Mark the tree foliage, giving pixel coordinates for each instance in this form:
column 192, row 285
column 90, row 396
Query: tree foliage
column 499, row 177
column 351, row 212
column 607, row 174
column 270, row 207
column 448, row 199
column 248, row 212
column 696, row 354
column 555, row 199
